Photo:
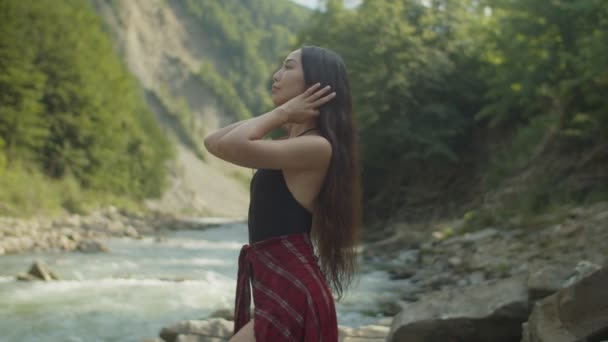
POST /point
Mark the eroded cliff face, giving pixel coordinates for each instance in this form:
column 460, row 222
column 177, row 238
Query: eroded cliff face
column 163, row 47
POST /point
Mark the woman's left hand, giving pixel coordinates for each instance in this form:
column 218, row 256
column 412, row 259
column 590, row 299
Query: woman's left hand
column 303, row 107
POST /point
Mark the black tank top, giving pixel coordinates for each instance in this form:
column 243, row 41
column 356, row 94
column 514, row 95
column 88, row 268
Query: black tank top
column 273, row 211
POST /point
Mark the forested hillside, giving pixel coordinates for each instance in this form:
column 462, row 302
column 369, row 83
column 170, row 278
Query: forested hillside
column 247, row 40
column 474, row 104
column 70, row 112
column 77, row 130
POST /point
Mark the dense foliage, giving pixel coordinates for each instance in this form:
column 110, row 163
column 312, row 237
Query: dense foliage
column 246, row 40
column 68, row 107
column 454, row 97
column 452, row 94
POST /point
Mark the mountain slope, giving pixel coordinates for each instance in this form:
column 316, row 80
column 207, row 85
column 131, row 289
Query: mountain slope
column 165, row 44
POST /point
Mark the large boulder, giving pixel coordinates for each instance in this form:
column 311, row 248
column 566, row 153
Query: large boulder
column 576, row 313
column 92, row 246
column 38, row 271
column 491, row 312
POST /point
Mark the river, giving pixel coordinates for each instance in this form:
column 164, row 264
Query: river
column 142, row 285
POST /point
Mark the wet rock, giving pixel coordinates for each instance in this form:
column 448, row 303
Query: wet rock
column 92, row 246
column 576, row 313
column 132, row 233
column 402, row 272
column 485, row 313
column 227, row 314
column 546, row 280
column 476, row 278
column 390, row 308
column 455, row 261
column 402, row 237
column 582, row 270
column 161, row 239
column 567, row 230
column 469, row 238
column 26, row 277
column 38, row 271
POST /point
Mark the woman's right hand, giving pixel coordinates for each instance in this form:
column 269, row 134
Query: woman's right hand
column 303, row 107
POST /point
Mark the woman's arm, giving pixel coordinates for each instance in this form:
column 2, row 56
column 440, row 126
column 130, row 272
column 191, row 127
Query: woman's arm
column 212, row 139
column 244, row 146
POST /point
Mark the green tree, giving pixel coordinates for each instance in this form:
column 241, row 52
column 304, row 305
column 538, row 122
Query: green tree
column 70, row 106
column 543, row 58
column 21, row 83
column 414, row 95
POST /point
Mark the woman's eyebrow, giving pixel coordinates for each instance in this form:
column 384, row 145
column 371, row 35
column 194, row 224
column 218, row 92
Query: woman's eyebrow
column 289, row 60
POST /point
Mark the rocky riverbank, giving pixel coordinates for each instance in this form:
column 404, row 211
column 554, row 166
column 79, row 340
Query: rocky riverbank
column 86, row 233
column 482, row 285
column 458, row 257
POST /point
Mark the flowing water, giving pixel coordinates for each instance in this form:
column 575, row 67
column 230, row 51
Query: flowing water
column 130, row 293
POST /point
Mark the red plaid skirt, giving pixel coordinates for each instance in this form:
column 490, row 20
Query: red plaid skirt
column 292, row 301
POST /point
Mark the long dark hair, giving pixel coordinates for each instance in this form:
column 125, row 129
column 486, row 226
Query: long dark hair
column 338, row 207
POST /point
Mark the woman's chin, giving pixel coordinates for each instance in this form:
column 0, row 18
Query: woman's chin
column 277, row 101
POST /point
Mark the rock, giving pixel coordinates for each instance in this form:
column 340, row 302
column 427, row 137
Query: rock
column 576, row 313
column 54, row 275
column 405, row 272
column 566, row 230
column 485, row 313
column 227, row 314
column 402, row 237
column 132, row 232
column 546, row 281
column 582, row 270
column 455, row 261
column 38, row 271
column 115, row 227
column 468, row 238
column 211, row 328
column 161, row 239
column 72, row 221
column 390, row 308
column 92, row 246
column 386, row 321
column 26, row 277
column 476, row 278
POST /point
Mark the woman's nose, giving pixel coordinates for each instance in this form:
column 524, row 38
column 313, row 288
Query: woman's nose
column 275, row 76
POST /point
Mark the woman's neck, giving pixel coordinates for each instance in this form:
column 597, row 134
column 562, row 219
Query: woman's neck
column 297, row 129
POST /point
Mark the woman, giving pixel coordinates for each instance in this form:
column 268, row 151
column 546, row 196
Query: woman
column 306, row 189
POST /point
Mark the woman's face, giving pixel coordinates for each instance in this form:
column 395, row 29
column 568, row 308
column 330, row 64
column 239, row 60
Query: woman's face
column 289, row 79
